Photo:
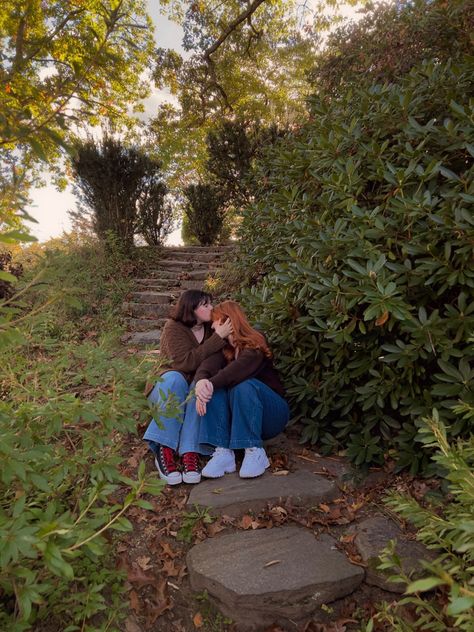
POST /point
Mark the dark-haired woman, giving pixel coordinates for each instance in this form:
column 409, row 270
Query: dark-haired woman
column 186, row 340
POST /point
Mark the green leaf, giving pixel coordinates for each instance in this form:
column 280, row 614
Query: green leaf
column 422, row 585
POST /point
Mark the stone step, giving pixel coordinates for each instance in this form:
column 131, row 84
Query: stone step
column 143, row 338
column 191, row 285
column 160, row 275
column 204, row 249
column 234, row 496
column 145, row 310
column 164, row 298
column 372, row 535
column 156, row 284
column 262, row 576
column 196, row 275
column 176, row 264
column 205, row 257
column 143, row 324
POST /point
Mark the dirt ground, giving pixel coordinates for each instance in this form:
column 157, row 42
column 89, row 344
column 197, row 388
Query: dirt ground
column 153, row 555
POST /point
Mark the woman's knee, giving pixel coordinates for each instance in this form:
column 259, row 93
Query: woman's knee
column 170, row 382
column 245, row 390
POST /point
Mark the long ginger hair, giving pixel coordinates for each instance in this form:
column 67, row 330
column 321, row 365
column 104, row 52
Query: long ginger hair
column 244, row 335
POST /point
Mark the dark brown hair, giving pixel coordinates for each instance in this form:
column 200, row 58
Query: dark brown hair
column 189, row 300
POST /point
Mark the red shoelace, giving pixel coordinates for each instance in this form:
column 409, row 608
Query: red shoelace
column 167, row 458
column 191, row 462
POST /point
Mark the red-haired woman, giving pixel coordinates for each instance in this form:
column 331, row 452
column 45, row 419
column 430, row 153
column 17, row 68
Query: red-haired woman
column 239, row 397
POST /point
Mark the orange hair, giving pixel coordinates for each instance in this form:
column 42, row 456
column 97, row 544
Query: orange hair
column 245, row 336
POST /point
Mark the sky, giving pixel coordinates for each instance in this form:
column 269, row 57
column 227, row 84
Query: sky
column 49, row 206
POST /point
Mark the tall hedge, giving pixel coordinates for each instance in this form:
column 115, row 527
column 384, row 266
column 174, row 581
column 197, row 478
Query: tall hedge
column 362, row 261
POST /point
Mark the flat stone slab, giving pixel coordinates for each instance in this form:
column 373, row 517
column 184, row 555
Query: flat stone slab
column 373, row 535
column 258, row 577
column 142, row 338
column 234, row 496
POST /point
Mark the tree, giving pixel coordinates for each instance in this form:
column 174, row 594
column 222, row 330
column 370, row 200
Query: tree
column 232, row 149
column 155, row 215
column 204, row 213
column 122, row 188
column 244, row 66
column 64, row 64
column 391, row 39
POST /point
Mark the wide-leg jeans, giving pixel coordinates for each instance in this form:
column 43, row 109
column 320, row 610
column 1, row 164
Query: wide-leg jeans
column 243, row 416
column 179, row 426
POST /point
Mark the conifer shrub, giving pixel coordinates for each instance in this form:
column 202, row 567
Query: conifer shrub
column 204, row 213
column 360, row 258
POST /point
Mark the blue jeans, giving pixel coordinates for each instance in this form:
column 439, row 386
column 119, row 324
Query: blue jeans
column 178, row 428
column 243, row 416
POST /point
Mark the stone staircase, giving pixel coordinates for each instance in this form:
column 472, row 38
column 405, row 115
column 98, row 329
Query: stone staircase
column 286, row 575
column 180, row 268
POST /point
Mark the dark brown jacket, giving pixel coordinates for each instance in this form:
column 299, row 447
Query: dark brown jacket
column 250, row 363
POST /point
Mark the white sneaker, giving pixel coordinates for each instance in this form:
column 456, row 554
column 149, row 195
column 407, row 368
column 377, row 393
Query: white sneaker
column 222, row 462
column 254, row 464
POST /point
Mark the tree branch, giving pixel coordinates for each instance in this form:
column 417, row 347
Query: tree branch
column 232, row 26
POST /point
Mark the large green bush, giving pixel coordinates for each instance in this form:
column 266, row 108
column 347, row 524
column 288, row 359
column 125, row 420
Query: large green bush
column 361, row 260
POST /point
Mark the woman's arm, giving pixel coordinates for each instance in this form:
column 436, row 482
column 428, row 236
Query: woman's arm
column 245, row 366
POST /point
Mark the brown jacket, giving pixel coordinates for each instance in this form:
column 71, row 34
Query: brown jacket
column 181, row 349
column 249, row 363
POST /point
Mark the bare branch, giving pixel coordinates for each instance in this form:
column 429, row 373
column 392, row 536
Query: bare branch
column 231, row 28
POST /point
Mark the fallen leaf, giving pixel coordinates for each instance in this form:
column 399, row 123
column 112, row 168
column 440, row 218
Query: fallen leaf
column 218, row 490
column 246, row 522
column 348, row 538
column 214, row 528
column 170, row 569
column 134, row 601
column 138, row 577
column 144, row 562
column 131, row 625
column 272, row 563
column 280, row 473
column 198, row 620
column 167, row 550
column 324, row 507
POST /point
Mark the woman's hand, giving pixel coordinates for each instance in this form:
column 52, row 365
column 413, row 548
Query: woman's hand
column 223, row 329
column 201, row 407
column 204, row 390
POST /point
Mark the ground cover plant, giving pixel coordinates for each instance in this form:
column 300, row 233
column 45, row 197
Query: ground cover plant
column 361, row 261
column 68, row 400
column 443, row 598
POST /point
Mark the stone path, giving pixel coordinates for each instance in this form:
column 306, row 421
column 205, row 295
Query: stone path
column 180, row 268
column 285, row 574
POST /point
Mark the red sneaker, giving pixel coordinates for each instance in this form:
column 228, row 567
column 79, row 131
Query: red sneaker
column 166, row 466
column 191, row 469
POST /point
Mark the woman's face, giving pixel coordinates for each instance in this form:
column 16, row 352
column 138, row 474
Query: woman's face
column 203, row 312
